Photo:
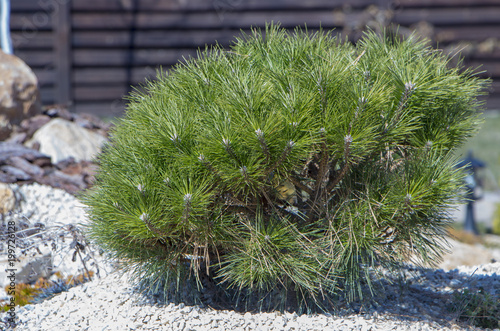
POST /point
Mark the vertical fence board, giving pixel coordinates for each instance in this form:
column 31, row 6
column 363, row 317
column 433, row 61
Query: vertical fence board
column 62, row 52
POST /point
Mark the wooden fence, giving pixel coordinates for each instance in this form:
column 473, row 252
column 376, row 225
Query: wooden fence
column 88, row 53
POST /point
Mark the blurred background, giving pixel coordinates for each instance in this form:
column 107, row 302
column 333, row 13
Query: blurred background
column 87, row 54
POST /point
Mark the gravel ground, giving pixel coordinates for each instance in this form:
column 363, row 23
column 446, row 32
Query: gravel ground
column 48, row 222
column 112, row 304
column 418, row 299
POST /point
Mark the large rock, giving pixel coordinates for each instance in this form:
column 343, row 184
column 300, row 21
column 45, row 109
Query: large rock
column 19, row 95
column 61, row 139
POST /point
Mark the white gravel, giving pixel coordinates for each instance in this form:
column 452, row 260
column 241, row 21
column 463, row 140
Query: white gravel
column 419, row 299
column 47, row 221
column 47, row 205
column 110, row 304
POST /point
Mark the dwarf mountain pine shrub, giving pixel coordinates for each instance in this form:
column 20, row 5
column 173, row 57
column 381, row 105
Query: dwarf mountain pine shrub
column 290, row 163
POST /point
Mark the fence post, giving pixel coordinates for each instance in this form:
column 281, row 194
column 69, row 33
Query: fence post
column 62, row 51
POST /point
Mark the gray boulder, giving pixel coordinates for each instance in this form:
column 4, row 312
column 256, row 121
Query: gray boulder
column 19, row 95
column 61, row 139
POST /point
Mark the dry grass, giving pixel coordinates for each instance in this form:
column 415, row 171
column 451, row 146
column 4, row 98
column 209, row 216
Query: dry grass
column 464, row 236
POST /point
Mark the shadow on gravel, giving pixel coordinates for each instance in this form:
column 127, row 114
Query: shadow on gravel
column 415, row 294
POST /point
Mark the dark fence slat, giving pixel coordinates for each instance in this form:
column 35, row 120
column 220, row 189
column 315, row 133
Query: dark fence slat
column 45, row 76
column 221, row 6
column 103, row 108
column 145, row 57
column 47, row 94
column 444, row 3
column 31, row 22
column 492, row 54
column 38, row 40
column 36, row 58
column 493, row 99
column 466, row 33
column 98, row 93
column 492, row 69
column 153, row 39
column 34, row 5
column 102, row 76
column 208, row 20
column 493, row 102
column 449, row 16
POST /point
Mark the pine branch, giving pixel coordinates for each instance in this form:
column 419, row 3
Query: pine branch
column 145, row 218
column 323, row 168
column 282, row 158
column 187, row 207
column 408, row 91
column 263, row 144
column 208, row 165
column 229, row 149
column 343, row 171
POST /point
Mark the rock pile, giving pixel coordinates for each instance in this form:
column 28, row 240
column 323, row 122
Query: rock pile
column 54, row 148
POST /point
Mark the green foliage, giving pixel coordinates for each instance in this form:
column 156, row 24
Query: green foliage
column 477, row 308
column 292, row 162
column 496, row 220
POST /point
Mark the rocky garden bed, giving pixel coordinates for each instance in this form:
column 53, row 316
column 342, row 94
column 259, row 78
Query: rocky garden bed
column 39, row 198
